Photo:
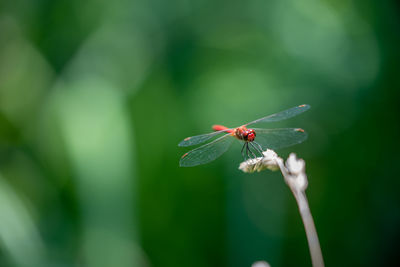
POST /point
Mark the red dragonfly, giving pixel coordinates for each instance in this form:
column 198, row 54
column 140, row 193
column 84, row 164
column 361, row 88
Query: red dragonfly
column 255, row 140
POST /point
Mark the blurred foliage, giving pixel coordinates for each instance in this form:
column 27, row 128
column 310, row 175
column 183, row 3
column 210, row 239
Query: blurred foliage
column 96, row 95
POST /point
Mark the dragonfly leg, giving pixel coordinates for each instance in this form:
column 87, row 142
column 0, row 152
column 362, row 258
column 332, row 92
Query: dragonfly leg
column 242, row 151
column 254, row 155
column 257, row 149
column 259, row 146
column 247, row 150
column 250, row 153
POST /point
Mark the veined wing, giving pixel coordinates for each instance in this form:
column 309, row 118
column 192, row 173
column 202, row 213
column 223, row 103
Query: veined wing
column 283, row 115
column 279, row 138
column 207, row 152
column 198, row 139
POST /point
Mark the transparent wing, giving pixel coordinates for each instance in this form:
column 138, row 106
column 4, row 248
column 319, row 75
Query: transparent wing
column 207, row 152
column 283, row 115
column 198, row 139
column 279, row 138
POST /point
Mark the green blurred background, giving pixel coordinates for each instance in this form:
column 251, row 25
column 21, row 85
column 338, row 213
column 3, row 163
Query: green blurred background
column 95, row 96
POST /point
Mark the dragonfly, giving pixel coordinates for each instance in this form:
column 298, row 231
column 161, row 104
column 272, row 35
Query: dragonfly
column 255, row 140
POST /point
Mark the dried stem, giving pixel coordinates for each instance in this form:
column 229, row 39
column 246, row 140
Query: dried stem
column 297, row 182
column 296, row 178
column 311, row 232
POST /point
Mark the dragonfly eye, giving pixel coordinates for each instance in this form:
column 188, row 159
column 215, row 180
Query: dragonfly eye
column 251, row 136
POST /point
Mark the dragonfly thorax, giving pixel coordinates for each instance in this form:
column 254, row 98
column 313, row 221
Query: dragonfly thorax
column 242, row 133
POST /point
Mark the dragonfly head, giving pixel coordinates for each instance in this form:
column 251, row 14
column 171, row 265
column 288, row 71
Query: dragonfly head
column 250, row 135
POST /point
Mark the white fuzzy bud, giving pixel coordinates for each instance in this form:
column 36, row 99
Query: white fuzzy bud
column 296, row 176
column 268, row 161
column 260, row 264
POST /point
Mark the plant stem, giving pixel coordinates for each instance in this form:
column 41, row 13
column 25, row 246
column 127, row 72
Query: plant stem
column 311, row 232
column 294, row 173
column 309, row 226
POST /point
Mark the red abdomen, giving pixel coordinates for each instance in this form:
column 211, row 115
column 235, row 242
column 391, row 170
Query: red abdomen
column 221, row 128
